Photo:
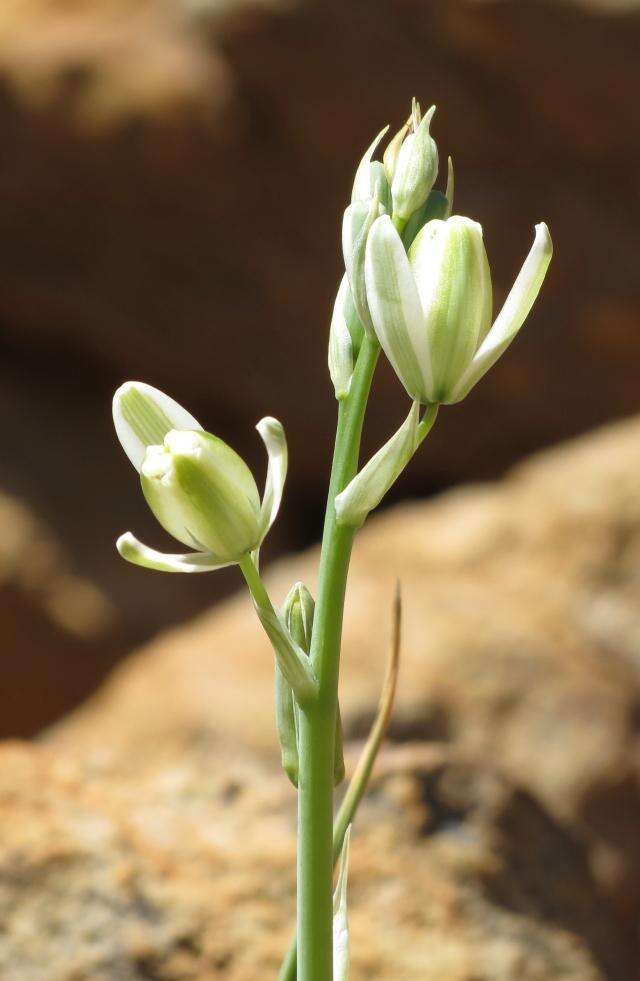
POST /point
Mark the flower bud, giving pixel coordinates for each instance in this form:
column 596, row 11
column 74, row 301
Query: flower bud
column 345, row 337
column 298, row 613
column 415, row 168
column 356, row 224
column 390, row 155
column 431, row 309
column 203, row 494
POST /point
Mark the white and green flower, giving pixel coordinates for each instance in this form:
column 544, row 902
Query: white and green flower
column 198, row 488
column 432, row 308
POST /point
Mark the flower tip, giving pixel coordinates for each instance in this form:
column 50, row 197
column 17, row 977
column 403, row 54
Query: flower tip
column 126, row 545
column 543, row 237
column 270, row 426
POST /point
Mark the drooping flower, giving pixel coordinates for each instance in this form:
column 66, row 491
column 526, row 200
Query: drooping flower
column 431, row 308
column 198, row 488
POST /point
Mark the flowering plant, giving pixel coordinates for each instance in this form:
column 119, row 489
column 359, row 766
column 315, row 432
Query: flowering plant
column 417, row 285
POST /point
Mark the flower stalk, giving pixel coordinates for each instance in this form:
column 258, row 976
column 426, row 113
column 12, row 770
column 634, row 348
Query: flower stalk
column 318, row 722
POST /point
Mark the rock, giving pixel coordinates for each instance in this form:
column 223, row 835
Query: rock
column 520, row 645
column 179, row 864
column 52, row 622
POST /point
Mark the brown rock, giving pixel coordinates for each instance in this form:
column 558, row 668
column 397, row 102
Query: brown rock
column 520, row 644
column 52, row 621
column 179, row 864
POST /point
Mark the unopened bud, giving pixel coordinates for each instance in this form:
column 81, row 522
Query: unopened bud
column 415, row 168
column 390, row 155
column 345, row 337
column 356, row 224
column 298, row 610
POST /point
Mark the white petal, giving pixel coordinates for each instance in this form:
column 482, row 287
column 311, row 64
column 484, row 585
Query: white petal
column 362, row 183
column 356, row 223
column 138, row 554
column 513, row 314
column 143, row 416
column 340, row 345
column 369, row 486
column 340, row 921
column 274, row 439
column 396, row 310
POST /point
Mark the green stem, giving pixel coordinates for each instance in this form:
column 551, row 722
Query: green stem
column 318, row 720
column 360, row 778
column 426, row 423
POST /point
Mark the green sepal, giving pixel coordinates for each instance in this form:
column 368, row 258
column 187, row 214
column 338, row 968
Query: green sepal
column 436, row 206
column 287, row 727
column 297, row 612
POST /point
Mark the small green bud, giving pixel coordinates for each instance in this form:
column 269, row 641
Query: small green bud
column 431, row 309
column 297, row 614
column 203, row 494
column 298, row 610
column 415, row 167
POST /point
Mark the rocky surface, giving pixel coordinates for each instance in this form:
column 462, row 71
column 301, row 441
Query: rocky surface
column 59, row 632
column 179, row 865
column 520, row 645
column 148, row 149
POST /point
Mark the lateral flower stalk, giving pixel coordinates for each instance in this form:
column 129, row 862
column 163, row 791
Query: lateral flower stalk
column 370, row 485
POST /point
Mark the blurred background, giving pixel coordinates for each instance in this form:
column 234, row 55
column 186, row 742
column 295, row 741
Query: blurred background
column 172, row 179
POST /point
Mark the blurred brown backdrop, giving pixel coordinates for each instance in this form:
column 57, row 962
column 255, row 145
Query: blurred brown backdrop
column 172, row 178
